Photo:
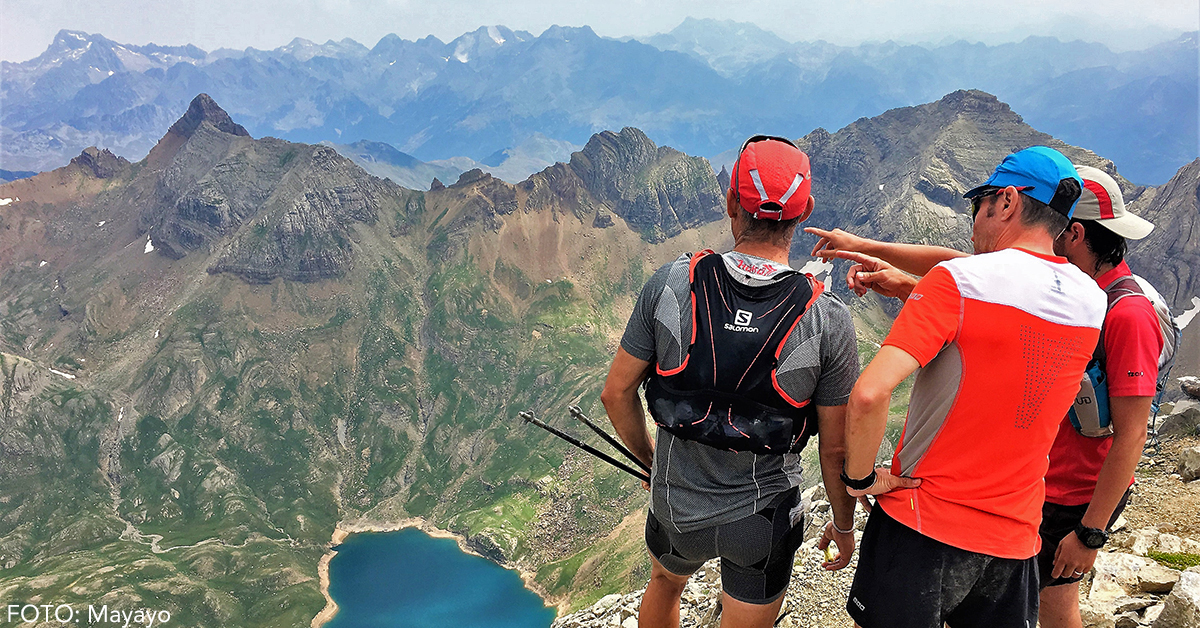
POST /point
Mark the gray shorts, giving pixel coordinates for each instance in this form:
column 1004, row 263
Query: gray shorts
column 756, row 552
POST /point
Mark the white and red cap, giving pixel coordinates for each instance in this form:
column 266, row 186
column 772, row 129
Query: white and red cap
column 1102, row 202
column 772, row 178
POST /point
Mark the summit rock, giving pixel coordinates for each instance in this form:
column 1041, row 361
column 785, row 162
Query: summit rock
column 204, row 109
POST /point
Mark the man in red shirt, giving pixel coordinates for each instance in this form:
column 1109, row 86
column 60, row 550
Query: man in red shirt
column 1001, row 340
column 1088, row 477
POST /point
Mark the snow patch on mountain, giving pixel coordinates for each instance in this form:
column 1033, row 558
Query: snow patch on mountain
column 1186, row 317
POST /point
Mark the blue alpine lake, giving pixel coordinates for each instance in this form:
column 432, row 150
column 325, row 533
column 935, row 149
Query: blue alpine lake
column 408, row 579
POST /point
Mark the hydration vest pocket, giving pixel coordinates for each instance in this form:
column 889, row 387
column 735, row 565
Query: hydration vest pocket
column 730, row 421
column 1089, row 414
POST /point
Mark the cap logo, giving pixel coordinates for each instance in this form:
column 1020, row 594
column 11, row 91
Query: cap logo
column 1102, row 197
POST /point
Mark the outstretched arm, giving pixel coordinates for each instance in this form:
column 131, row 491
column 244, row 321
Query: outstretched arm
column 917, row 259
column 871, row 273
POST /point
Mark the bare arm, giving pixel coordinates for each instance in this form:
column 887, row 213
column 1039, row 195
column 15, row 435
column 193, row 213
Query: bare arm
column 832, row 449
column 916, row 259
column 1129, row 418
column 624, row 409
column 866, row 417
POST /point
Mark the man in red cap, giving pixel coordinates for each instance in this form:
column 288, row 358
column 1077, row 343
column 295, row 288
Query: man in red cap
column 743, row 359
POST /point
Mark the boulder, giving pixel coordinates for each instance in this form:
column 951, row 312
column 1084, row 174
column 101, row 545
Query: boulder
column 1190, row 386
column 1169, row 543
column 1189, row 464
column 1183, row 420
column 1126, row 620
column 1157, row 579
column 1143, row 540
column 1126, row 604
column 1182, row 608
column 1095, row 617
column 1115, row 575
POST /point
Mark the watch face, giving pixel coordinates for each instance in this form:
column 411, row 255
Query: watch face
column 1091, row 537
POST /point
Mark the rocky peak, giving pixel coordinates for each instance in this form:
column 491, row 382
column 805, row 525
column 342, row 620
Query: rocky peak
column 204, row 109
column 659, row 191
column 974, row 101
column 723, row 179
column 436, row 185
column 471, row 176
column 609, row 161
column 101, row 163
column 1170, row 255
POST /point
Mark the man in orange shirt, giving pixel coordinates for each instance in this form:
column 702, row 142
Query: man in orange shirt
column 1001, row 339
column 1092, row 463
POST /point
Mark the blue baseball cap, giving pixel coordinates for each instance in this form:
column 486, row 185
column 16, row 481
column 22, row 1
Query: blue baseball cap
column 1039, row 172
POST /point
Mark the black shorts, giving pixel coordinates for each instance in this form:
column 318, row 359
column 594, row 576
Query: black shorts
column 908, row 580
column 1057, row 522
column 756, row 552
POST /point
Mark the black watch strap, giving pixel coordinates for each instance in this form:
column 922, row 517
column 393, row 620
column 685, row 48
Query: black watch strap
column 858, row 485
column 1092, row 538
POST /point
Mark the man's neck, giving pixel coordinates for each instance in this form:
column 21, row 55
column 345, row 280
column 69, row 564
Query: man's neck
column 1034, row 242
column 764, row 250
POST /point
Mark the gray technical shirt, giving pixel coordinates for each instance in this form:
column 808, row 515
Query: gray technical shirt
column 694, row 486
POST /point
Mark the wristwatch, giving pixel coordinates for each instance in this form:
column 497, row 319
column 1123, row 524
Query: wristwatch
column 1092, row 538
column 858, row 485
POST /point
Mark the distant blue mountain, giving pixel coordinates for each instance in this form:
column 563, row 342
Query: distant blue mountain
column 701, row 88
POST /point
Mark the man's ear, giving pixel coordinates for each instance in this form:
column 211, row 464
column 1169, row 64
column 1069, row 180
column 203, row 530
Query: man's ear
column 808, row 209
column 1012, row 201
column 1075, row 232
column 731, row 204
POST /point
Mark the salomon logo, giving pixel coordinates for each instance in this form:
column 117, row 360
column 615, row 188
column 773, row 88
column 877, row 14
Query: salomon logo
column 742, row 318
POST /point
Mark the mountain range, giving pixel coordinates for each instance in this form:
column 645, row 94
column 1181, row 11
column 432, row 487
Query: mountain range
column 702, row 88
column 215, row 354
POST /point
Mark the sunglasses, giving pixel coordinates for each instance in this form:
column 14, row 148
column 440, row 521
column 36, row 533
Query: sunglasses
column 977, row 202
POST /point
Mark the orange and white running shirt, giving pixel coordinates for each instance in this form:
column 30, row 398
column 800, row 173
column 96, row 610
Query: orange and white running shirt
column 1003, row 339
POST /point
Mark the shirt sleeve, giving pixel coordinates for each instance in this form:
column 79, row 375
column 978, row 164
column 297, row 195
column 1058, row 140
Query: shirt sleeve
column 839, row 353
column 638, row 339
column 930, row 317
column 1132, row 344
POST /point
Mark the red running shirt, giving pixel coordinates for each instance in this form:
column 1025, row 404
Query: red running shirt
column 1132, row 343
column 1003, row 339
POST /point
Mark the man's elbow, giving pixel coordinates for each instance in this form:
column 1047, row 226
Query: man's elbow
column 866, row 396
column 610, row 396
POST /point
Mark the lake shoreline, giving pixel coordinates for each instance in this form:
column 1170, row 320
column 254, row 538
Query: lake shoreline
column 343, row 530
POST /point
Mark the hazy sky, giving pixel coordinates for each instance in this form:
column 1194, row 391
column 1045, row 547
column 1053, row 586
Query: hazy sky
column 28, row 26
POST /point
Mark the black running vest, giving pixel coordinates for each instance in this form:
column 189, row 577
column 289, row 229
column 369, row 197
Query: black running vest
column 725, row 394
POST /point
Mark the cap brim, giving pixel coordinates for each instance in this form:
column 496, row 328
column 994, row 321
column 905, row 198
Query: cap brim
column 977, row 190
column 1129, row 226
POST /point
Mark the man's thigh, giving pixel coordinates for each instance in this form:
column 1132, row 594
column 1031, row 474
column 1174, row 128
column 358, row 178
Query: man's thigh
column 757, row 552
column 907, row 580
column 1057, row 522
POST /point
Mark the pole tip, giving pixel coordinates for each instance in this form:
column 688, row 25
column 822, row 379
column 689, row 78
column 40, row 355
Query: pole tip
column 574, row 410
column 525, row 415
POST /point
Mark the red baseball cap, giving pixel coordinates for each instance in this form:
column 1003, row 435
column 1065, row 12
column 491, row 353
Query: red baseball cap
column 772, row 178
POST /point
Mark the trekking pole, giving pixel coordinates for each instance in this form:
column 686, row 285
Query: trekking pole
column 529, row 418
column 578, row 413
